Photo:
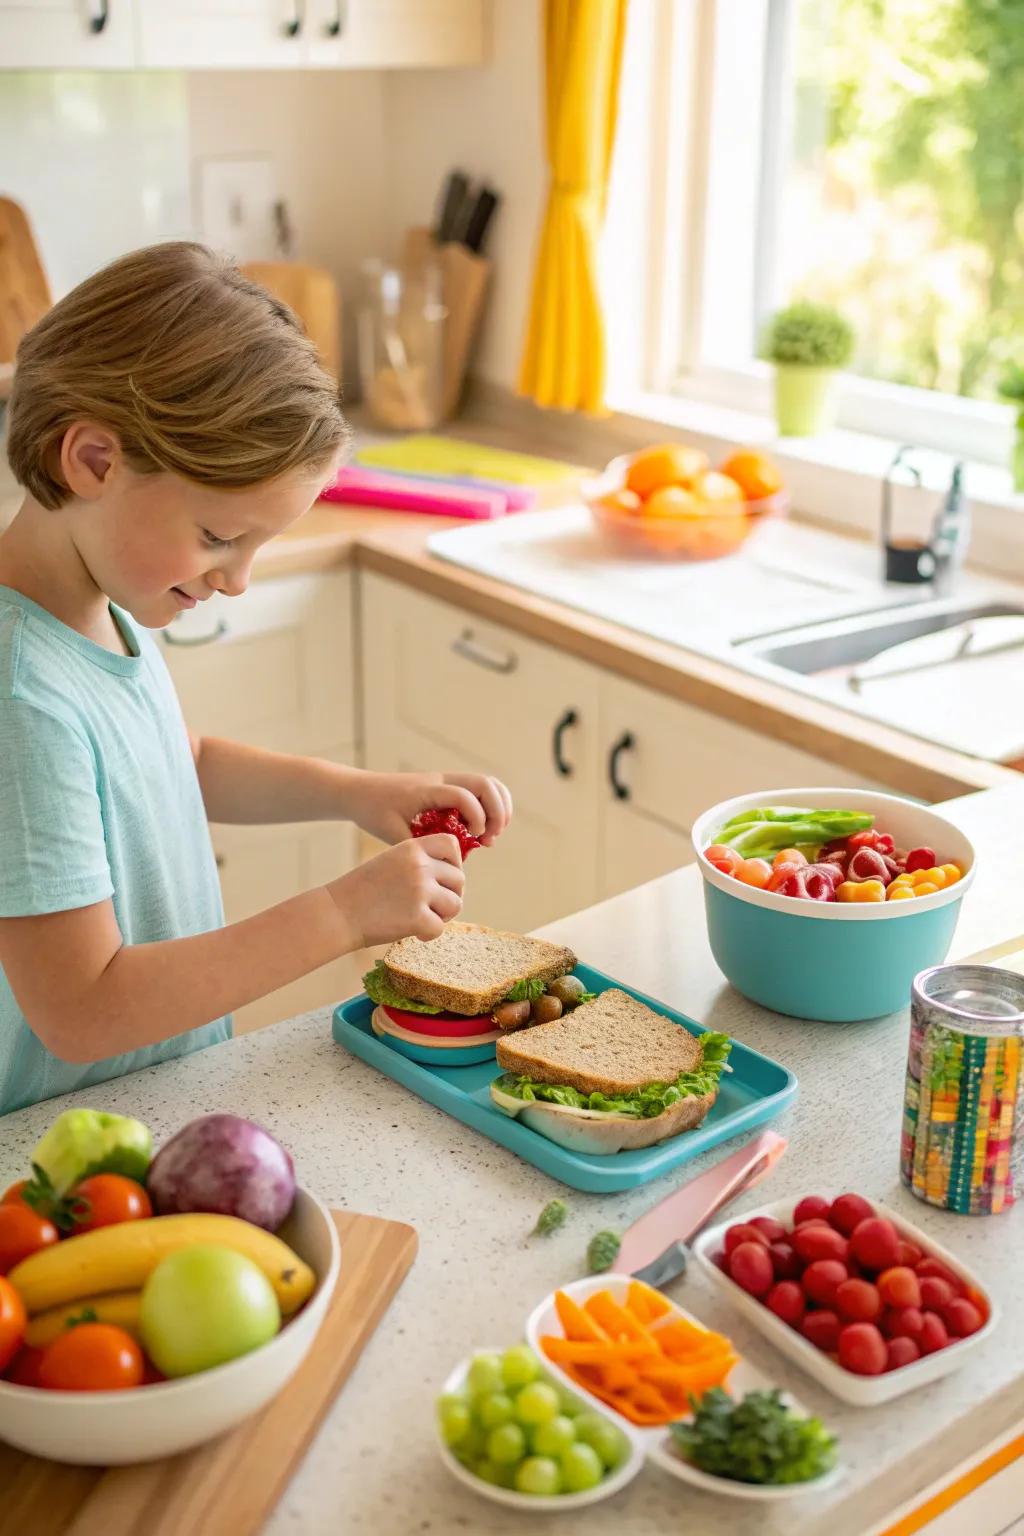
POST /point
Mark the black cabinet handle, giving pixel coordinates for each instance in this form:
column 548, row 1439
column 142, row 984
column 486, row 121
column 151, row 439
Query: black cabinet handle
column 625, row 743
column 564, row 723
column 333, row 28
column 99, row 21
column 293, row 26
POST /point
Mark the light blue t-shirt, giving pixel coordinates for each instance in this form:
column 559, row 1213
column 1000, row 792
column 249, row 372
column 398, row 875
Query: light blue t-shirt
column 99, row 798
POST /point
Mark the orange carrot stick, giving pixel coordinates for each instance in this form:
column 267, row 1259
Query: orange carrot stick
column 577, row 1324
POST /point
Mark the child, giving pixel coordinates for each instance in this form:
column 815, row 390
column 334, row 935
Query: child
column 168, row 418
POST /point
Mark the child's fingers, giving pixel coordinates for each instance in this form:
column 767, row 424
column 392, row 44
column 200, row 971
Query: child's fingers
column 493, row 802
column 446, row 904
column 442, row 846
column 465, row 802
column 451, row 876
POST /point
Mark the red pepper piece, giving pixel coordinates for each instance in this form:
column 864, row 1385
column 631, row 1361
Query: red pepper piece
column 444, row 819
column 920, row 858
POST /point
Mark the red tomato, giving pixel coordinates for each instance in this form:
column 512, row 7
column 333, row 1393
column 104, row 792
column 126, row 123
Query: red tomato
column 939, row 1271
column 846, row 1211
column 92, row 1357
column 13, row 1195
column 933, row 1334
column 936, row 1294
column 786, row 1300
column 750, row 1265
column 899, row 1287
column 809, row 1207
column 820, row 1242
column 785, row 1262
column 909, row 1254
column 23, row 1370
column 773, row 1230
column 901, row 1351
column 822, row 1279
column 22, row 1232
column 110, row 1198
column 963, row 1317
column 858, row 1300
column 875, row 1243
column 905, row 1323
column 744, row 1232
column 12, row 1323
column 862, row 1349
column 822, row 1328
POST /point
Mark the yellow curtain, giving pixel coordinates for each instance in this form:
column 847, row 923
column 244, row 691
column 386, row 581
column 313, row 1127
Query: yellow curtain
column 564, row 357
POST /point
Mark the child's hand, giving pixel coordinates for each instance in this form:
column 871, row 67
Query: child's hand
column 412, row 889
column 385, row 803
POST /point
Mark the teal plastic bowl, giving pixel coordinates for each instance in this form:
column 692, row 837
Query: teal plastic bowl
column 834, row 962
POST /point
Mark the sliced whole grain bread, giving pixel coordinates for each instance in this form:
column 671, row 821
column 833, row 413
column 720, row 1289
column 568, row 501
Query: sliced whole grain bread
column 606, row 1133
column 615, row 1044
column 469, row 968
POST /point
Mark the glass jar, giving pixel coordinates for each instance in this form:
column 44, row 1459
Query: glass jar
column 400, row 324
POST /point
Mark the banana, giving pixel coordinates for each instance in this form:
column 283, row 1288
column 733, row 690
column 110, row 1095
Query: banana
column 119, row 1307
column 122, row 1257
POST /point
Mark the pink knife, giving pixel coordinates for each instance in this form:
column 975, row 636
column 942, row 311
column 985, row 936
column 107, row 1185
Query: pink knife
column 654, row 1248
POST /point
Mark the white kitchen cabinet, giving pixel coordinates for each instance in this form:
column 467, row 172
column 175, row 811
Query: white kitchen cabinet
column 394, row 34
column 221, row 34
column 67, row 34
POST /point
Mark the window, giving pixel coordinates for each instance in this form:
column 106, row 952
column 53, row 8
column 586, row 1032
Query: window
column 868, row 154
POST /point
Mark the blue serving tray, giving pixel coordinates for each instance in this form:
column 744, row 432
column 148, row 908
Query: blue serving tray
column 756, row 1090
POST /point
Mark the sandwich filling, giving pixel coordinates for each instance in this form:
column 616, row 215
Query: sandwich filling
column 639, row 1104
column 380, row 989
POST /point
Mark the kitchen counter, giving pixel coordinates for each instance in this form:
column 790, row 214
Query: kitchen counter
column 361, row 1141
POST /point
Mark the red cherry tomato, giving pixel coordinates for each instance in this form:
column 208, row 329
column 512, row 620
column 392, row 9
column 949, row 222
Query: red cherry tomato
column 822, row 1328
column 92, row 1357
column 899, row 1287
column 820, row 1242
column 14, row 1195
column 773, row 1230
column 786, row 1300
column 23, row 1370
column 109, row 1199
column 822, row 1279
column 22, row 1232
column 750, row 1265
column 899, row 1352
column 862, row 1349
column 905, row 1323
column 934, row 1335
column 909, row 1254
column 809, row 1207
column 12, row 1323
column 744, row 1232
column 962, row 1317
column 785, row 1261
column 846, row 1211
column 859, row 1301
column 875, row 1243
column 940, row 1271
column 936, row 1294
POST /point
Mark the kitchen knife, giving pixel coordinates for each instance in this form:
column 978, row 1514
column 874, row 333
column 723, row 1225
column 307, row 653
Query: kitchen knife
column 452, row 216
column 478, row 220
column 654, row 1247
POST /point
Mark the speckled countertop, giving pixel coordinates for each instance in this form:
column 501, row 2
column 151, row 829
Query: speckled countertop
column 361, row 1141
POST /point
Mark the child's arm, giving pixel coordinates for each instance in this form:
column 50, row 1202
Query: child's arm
column 249, row 784
column 88, row 995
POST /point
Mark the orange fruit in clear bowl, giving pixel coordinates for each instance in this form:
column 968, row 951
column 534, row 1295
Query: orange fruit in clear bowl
column 665, row 464
column 672, row 501
column 755, row 473
column 626, row 501
column 720, row 489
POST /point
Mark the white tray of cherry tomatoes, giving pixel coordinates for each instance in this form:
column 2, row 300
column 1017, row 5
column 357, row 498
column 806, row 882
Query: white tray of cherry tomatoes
column 914, row 1310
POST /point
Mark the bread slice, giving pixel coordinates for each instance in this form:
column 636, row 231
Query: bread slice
column 469, row 968
column 615, row 1044
column 599, row 1133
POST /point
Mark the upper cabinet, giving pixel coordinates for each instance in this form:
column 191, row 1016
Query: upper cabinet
column 240, row 34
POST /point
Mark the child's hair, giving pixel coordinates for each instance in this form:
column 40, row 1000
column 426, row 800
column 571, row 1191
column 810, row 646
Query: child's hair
column 197, row 370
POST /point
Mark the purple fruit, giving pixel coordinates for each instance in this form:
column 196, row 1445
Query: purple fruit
column 227, row 1165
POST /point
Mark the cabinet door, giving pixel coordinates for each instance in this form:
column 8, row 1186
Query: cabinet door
column 383, row 34
column 221, row 34
column 665, row 762
column 443, row 690
column 67, row 34
column 274, row 667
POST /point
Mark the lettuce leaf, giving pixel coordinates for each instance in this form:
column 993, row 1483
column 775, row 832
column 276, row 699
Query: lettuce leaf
column 526, row 991
column 380, row 991
column 642, row 1104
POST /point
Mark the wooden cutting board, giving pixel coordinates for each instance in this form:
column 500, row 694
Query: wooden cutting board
column 230, row 1487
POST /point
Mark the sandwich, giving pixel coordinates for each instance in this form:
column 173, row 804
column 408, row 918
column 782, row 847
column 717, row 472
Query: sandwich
column 469, row 986
column 610, row 1076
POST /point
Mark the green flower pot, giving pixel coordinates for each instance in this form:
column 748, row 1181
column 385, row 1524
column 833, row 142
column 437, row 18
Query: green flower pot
column 804, row 399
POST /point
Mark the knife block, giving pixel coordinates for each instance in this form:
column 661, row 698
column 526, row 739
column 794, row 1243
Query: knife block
column 464, row 278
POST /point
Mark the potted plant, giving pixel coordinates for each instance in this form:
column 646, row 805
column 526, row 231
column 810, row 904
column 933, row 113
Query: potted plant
column 1011, row 387
column 808, row 343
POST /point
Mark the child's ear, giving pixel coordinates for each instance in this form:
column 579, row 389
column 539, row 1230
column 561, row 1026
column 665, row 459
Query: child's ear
column 88, row 454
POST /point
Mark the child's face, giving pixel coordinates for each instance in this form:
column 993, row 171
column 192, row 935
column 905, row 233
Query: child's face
column 157, row 544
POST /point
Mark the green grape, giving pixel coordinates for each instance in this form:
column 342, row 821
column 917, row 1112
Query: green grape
column 487, row 1470
column 473, row 1443
column 506, row 1444
column 519, row 1366
column 568, row 1403
column 537, row 1403
column 538, row 1475
column 581, row 1468
column 607, row 1441
column 484, row 1375
column 554, row 1436
column 494, row 1409
column 454, row 1416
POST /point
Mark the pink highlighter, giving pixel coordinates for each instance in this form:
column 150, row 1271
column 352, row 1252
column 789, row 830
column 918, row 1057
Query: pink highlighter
column 355, row 486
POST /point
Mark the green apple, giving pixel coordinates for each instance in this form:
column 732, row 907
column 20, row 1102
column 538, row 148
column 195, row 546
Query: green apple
column 205, row 1305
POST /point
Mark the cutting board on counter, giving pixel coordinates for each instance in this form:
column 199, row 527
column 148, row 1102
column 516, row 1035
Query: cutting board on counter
column 230, row 1487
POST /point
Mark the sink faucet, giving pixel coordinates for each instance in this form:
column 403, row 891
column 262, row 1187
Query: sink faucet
column 951, row 533
column 937, row 559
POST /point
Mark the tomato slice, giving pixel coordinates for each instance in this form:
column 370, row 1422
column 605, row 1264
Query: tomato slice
column 449, row 1026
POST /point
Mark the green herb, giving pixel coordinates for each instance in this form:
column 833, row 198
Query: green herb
column 380, row 991
column 526, row 991
column 761, row 833
column 643, row 1103
column 602, row 1251
column 87, row 1315
column 551, row 1218
column 757, row 1440
column 810, row 335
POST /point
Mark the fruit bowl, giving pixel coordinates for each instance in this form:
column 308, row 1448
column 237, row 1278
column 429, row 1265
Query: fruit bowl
column 115, row 1428
column 835, row 962
column 705, row 528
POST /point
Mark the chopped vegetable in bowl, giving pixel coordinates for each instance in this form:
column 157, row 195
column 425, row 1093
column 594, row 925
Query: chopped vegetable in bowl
column 756, row 1440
